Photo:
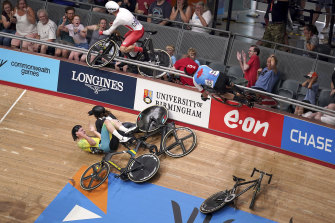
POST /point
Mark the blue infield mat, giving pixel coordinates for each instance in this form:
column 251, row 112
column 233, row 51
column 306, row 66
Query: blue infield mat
column 128, row 202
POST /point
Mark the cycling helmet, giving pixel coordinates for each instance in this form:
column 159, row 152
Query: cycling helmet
column 112, row 6
column 97, row 111
column 74, row 131
column 190, row 69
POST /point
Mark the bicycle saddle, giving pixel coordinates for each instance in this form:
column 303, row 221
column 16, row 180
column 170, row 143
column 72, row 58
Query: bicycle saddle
column 151, row 32
column 235, row 178
column 151, row 118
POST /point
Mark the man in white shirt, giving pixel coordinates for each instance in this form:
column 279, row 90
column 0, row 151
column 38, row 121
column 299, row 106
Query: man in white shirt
column 46, row 30
column 201, row 18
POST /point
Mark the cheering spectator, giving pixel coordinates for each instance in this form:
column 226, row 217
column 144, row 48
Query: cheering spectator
column 102, row 26
column 311, row 38
column 181, row 12
column 142, row 7
column 46, row 29
column 201, row 17
column 327, row 5
column 25, row 25
column 268, row 77
column 8, row 22
column 76, row 31
column 159, row 9
column 65, row 39
column 313, row 88
column 250, row 68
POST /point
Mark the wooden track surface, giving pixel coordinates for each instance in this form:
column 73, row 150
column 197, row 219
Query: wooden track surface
column 38, row 156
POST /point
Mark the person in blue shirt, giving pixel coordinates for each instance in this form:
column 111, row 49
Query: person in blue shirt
column 268, row 77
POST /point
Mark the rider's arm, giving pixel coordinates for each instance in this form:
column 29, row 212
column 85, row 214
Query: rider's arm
column 111, row 29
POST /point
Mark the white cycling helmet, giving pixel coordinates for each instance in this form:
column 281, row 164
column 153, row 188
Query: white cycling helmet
column 112, row 6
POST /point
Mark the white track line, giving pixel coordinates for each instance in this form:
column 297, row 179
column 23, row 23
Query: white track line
column 12, row 106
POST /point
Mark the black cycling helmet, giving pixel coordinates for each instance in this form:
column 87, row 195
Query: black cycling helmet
column 74, row 131
column 97, row 111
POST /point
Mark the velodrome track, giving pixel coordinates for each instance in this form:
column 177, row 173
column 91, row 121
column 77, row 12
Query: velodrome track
column 38, row 157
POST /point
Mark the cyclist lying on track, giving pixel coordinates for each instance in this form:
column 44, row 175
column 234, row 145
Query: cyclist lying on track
column 206, row 80
column 123, row 17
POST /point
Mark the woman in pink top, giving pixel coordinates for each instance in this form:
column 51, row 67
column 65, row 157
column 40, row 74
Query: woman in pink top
column 25, row 25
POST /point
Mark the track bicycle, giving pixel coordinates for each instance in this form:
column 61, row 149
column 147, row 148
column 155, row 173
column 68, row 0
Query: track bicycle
column 223, row 198
column 248, row 98
column 175, row 142
column 104, row 51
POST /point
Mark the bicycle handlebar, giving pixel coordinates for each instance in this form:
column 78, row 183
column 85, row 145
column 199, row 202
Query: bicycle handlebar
column 262, row 173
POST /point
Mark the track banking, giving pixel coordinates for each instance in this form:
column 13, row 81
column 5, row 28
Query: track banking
column 30, row 69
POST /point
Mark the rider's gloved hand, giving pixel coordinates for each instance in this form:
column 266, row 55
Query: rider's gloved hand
column 204, row 98
column 100, row 32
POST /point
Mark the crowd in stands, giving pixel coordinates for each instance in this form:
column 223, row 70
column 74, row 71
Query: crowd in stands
column 22, row 20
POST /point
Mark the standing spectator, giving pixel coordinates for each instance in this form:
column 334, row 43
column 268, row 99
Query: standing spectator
column 8, row 22
column 250, row 68
column 128, row 4
column 102, row 26
column 313, row 88
column 181, row 12
column 311, row 39
column 142, row 7
column 65, row 39
column 275, row 30
column 46, row 29
column 25, row 25
column 76, row 31
column 268, row 77
column 159, row 9
column 182, row 64
column 202, row 16
column 319, row 6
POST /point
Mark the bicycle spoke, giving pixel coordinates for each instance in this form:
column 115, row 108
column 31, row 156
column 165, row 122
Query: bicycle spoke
column 90, row 183
column 88, row 177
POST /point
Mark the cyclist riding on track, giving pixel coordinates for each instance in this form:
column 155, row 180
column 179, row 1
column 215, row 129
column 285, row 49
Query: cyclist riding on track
column 123, row 17
column 205, row 79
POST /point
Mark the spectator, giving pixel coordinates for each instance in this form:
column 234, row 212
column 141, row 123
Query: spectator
column 95, row 34
column 318, row 7
column 170, row 50
column 313, row 88
column 128, row 4
column 182, row 64
column 192, row 53
column 142, row 7
column 181, row 12
column 323, row 117
column 46, row 29
column 250, row 68
column 201, row 17
column 101, row 3
column 8, row 22
column 269, row 76
column 311, row 39
column 77, row 32
column 25, row 25
column 332, row 87
column 65, row 39
column 275, row 30
column 159, row 9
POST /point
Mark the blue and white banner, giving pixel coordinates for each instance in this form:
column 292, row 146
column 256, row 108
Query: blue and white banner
column 309, row 139
column 100, row 85
column 29, row 70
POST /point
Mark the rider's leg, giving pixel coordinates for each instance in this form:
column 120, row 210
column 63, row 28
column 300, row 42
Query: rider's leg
column 110, row 127
column 118, row 125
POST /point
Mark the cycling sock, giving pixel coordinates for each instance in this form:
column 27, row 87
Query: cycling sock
column 123, row 129
column 138, row 49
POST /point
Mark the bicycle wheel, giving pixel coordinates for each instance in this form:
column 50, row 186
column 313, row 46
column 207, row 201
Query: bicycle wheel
column 143, row 168
column 101, row 53
column 160, row 58
column 214, row 202
column 219, row 98
column 94, row 176
column 179, row 142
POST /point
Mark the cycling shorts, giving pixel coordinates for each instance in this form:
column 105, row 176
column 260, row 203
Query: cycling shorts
column 221, row 83
column 131, row 37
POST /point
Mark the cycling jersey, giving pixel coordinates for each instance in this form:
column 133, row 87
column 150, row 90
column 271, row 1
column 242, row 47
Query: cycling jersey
column 205, row 77
column 124, row 18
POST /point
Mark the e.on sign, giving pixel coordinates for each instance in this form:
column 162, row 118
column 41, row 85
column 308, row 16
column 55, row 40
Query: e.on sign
column 249, row 123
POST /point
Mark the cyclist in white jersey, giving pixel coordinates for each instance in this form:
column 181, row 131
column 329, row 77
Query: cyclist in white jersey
column 123, row 17
column 206, row 79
